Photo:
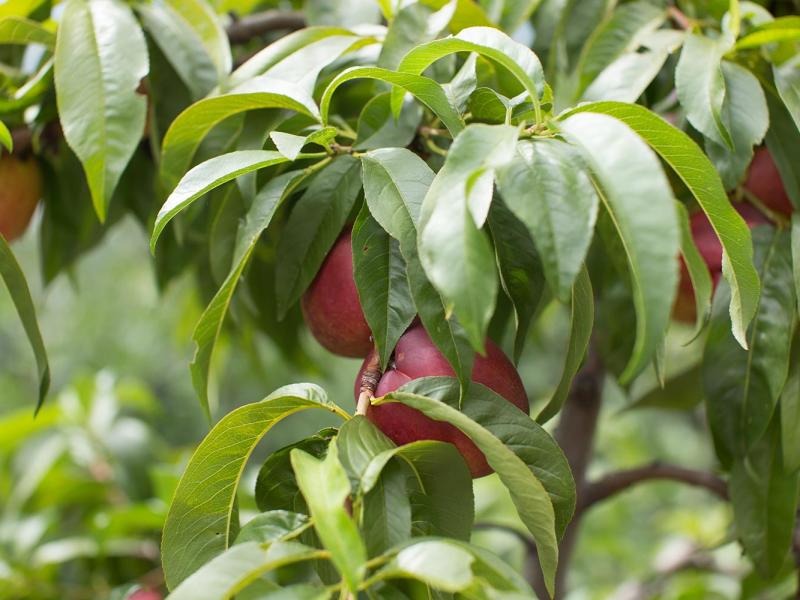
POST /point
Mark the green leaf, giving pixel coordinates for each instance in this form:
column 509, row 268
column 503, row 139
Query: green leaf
column 377, row 127
column 395, row 183
column 520, row 267
column 425, row 90
column 380, row 275
column 313, row 226
column 359, row 442
column 387, row 511
column 684, row 391
column 701, row 86
column 303, row 67
column 281, row 49
column 619, row 33
column 696, row 171
column 581, row 324
column 100, row 59
column 628, row 172
column 782, row 29
column 291, row 145
column 257, row 219
column 199, row 16
column 547, row 187
column 18, row 30
column 199, row 522
column 455, row 253
column 276, row 485
column 272, row 526
column 742, row 388
column 355, row 12
column 413, row 25
column 5, row 137
column 229, row 573
column 697, row 269
column 787, row 81
column 783, row 143
column 325, row 486
column 181, row 46
column 764, row 497
column 529, row 495
column 796, row 256
column 207, row 176
column 14, row 279
column 627, row 78
column 746, row 117
column 790, row 412
column 438, row 563
column 190, row 127
column 39, row 84
column 491, row 43
column 442, row 476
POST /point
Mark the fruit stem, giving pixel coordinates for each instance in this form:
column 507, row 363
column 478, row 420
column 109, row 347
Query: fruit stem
column 369, row 383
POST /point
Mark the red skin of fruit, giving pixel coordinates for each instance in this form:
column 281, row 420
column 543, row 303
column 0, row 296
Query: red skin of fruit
column 145, row 595
column 416, row 356
column 331, row 307
column 764, row 181
column 711, row 250
column 20, row 190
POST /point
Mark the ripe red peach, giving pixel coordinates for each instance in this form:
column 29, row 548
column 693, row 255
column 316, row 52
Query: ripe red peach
column 416, row 356
column 20, row 191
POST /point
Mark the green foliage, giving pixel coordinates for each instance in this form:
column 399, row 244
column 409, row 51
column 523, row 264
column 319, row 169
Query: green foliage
column 499, row 162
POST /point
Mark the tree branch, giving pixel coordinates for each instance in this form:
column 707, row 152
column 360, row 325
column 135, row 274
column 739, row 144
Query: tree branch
column 252, row 26
column 615, row 483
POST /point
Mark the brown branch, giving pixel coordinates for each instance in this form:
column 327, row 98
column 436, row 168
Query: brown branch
column 680, row 19
column 620, row 481
column 252, row 26
column 370, row 377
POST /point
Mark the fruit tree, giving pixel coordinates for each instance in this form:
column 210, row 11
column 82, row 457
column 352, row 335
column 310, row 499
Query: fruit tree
column 418, row 184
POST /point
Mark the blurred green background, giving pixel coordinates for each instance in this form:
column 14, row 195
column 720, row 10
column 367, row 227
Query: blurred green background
column 84, row 487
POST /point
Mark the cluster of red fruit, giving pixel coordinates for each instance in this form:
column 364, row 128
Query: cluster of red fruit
column 20, row 190
column 333, row 313
column 764, row 182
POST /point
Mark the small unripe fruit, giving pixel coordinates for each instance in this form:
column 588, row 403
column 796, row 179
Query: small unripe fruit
column 416, row 356
column 710, row 248
column 331, row 307
column 764, row 181
column 20, row 191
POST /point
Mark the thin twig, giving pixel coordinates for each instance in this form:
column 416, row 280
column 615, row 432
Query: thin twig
column 620, row 481
column 680, row 19
column 370, row 378
column 252, row 26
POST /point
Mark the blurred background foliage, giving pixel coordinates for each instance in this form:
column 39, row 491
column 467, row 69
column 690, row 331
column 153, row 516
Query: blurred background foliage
column 84, row 488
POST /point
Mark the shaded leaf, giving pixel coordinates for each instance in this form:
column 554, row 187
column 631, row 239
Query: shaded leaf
column 18, row 30
column 272, row 526
column 698, row 271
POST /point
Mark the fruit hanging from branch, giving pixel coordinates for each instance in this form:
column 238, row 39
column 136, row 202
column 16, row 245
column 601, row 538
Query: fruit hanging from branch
column 20, row 191
column 331, row 307
column 710, row 248
column 416, row 356
column 764, row 182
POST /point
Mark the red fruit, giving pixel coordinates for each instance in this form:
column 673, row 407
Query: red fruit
column 145, row 595
column 416, row 356
column 710, row 249
column 764, row 181
column 20, row 191
column 331, row 307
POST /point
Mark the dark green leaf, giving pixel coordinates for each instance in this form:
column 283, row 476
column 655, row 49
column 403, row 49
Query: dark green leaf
column 628, row 172
column 764, row 497
column 699, row 175
column 520, row 268
column 206, row 493
column 698, row 271
column 100, row 58
column 380, row 275
column 787, row 80
column 387, row 511
column 582, row 322
column 414, row 24
column 377, row 127
column 313, row 226
column 438, row 563
column 548, row 189
column 395, row 183
column 742, row 388
column 790, row 412
column 425, row 90
column 359, row 441
column 455, row 253
column 681, row 392
column 18, row 30
column 783, row 142
column 14, row 279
